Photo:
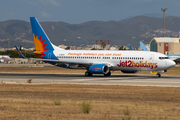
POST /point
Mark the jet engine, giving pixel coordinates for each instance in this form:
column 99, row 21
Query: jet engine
column 129, row 71
column 99, row 69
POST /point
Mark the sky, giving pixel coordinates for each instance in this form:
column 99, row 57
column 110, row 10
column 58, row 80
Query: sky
column 80, row 11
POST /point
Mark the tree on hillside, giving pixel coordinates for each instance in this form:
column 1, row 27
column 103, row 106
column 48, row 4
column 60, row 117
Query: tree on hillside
column 122, row 48
column 103, row 45
column 93, row 49
column 68, row 48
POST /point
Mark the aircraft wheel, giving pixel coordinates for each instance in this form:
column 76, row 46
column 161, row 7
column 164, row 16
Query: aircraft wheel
column 158, row 75
column 88, row 73
column 108, row 74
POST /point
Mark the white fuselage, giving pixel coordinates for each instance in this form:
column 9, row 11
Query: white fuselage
column 4, row 58
column 116, row 60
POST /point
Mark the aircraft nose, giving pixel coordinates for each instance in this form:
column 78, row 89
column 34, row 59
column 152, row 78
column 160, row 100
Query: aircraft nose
column 171, row 63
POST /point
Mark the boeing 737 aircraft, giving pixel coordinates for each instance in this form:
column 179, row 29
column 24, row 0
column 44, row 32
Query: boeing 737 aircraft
column 4, row 58
column 174, row 57
column 131, row 48
column 96, row 61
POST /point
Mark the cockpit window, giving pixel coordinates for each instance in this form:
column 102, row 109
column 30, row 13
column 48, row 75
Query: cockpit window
column 163, row 58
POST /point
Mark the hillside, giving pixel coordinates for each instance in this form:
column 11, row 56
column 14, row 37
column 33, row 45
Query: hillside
column 129, row 31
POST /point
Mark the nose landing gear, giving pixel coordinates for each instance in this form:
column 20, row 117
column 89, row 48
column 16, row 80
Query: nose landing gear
column 158, row 75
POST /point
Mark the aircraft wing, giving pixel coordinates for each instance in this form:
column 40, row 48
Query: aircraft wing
column 22, row 56
column 58, row 62
column 19, row 52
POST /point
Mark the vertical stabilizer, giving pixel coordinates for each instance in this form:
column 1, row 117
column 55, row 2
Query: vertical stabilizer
column 143, row 47
column 41, row 41
column 131, row 48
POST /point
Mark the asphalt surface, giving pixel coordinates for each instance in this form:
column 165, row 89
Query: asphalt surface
column 130, row 80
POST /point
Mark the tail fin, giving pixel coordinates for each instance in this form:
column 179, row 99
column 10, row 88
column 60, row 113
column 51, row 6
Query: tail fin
column 143, row 47
column 131, row 48
column 41, row 40
column 19, row 52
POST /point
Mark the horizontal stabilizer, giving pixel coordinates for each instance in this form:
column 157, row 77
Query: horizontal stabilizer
column 31, row 53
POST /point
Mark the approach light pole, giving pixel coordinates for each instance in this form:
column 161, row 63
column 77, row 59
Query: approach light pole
column 164, row 10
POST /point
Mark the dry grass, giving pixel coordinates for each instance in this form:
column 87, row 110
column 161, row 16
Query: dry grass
column 30, row 102
column 61, row 101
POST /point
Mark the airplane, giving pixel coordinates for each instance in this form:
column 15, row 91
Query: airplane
column 96, row 61
column 4, row 58
column 131, row 48
column 174, row 57
column 143, row 47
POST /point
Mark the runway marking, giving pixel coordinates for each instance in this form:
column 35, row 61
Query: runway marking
column 130, row 80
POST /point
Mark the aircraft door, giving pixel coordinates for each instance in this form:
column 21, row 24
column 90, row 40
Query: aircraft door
column 151, row 58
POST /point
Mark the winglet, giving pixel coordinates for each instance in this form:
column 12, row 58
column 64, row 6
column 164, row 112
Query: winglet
column 19, row 53
column 143, row 47
column 131, row 48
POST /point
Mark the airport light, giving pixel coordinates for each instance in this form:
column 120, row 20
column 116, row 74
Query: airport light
column 164, row 10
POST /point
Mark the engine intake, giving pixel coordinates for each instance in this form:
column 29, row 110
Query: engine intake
column 99, row 69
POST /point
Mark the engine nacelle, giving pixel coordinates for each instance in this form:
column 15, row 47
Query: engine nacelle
column 1, row 60
column 99, row 69
column 129, row 71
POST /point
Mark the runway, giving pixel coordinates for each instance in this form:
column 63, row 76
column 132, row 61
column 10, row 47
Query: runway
column 130, row 80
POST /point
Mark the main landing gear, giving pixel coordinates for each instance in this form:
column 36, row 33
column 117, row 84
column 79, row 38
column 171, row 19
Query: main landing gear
column 158, row 75
column 87, row 73
column 108, row 74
